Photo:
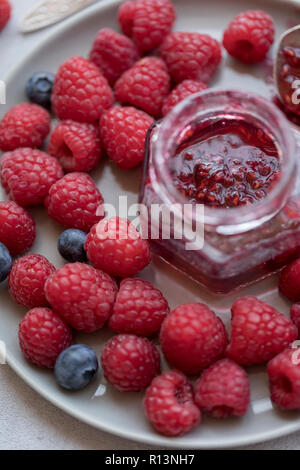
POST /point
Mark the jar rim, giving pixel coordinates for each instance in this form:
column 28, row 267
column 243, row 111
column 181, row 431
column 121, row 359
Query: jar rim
column 241, row 218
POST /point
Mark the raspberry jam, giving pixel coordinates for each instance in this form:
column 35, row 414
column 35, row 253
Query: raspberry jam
column 234, row 155
column 290, row 78
column 226, row 164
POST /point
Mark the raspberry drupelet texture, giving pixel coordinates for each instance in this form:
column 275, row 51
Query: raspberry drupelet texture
column 249, row 36
column 81, row 295
column 74, row 202
column 223, row 390
column 147, row 22
column 289, row 281
column 76, row 145
column 27, row 280
column 115, row 246
column 192, row 338
column 180, row 92
column 258, row 332
column 295, row 315
column 284, row 379
column 80, row 91
column 191, row 56
column 24, row 125
column 43, row 336
column 130, row 362
column 113, row 54
column 5, row 13
column 17, row 228
column 145, row 85
column 169, row 404
column 139, row 308
column 123, row 133
column 28, row 174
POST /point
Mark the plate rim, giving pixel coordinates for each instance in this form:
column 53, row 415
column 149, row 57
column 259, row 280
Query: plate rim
column 153, row 439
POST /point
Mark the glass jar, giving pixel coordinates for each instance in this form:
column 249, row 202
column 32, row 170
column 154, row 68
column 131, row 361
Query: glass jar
column 241, row 244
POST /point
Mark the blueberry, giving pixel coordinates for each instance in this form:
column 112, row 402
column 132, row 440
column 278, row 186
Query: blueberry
column 76, row 367
column 71, row 245
column 39, row 88
column 5, row 262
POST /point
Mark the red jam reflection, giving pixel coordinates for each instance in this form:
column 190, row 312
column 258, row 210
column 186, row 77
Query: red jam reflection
column 228, row 163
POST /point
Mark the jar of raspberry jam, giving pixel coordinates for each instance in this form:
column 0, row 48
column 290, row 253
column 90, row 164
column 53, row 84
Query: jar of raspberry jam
column 235, row 154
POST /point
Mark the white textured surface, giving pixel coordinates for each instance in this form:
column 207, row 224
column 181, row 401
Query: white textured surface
column 27, row 421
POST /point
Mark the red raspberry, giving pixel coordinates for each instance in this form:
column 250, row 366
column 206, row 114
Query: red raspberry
column 258, row 332
column 5, row 12
column 130, row 362
column 192, row 56
column 223, row 390
column 115, row 246
column 43, row 336
column 81, row 295
column 249, row 36
column 74, row 202
column 192, row 338
column 145, row 85
column 284, row 379
column 27, row 279
column 147, row 22
column 289, row 281
column 25, row 125
column 295, row 315
column 27, row 175
column 113, row 54
column 123, row 132
column 180, row 92
column 80, row 91
column 169, row 404
column 76, row 145
column 139, row 308
column 17, row 228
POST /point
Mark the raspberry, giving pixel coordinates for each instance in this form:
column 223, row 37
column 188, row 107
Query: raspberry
column 5, row 12
column 147, row 21
column 27, row 175
column 145, row 85
column 223, row 390
column 113, row 54
column 123, row 132
column 115, row 246
column 258, row 332
column 284, row 379
column 295, row 315
column 25, row 125
column 289, row 281
column 74, row 202
column 81, row 295
column 180, row 92
column 80, row 91
column 43, row 336
column 130, row 362
column 17, row 228
column 27, row 279
column 192, row 337
column 76, row 145
column 139, row 308
column 249, row 36
column 169, row 404
column 192, row 56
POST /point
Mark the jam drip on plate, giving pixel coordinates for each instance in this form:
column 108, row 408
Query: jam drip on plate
column 227, row 164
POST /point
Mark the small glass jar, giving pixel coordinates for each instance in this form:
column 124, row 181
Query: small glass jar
column 241, row 244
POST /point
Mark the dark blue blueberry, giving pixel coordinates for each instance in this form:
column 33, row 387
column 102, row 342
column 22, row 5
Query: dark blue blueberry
column 71, row 245
column 39, row 88
column 5, row 262
column 76, row 367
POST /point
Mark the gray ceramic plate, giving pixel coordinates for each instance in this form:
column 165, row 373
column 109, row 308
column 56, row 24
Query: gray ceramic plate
column 118, row 413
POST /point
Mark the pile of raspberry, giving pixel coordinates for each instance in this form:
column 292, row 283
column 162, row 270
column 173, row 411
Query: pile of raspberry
column 106, row 104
